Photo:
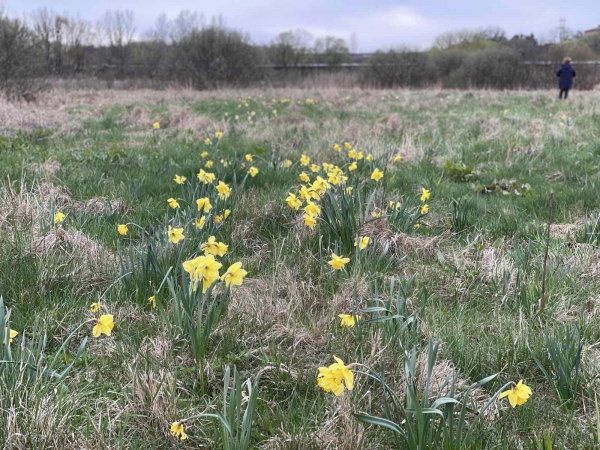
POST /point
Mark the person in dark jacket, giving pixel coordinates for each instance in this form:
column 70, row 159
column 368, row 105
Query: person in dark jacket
column 565, row 77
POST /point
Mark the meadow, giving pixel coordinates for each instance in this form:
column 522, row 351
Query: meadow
column 182, row 264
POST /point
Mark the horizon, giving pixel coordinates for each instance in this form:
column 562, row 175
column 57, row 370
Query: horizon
column 381, row 25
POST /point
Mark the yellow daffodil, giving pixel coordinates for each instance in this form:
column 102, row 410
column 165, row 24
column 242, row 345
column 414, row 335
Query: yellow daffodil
column 336, row 178
column 312, row 210
column 207, row 141
column 330, row 378
column 177, row 430
column 200, row 222
column 213, row 247
column 337, row 148
column 309, row 221
column 175, row 234
column 293, row 201
column 314, row 168
column 347, row 320
column 234, row 275
column 248, row 157
column 352, row 167
column 173, row 203
column 377, row 175
column 347, row 145
column 226, row 213
column 320, row 186
column 369, row 158
column 95, row 307
column 204, row 204
column 395, row 205
column 223, row 190
column 252, row 171
column 206, row 177
column 349, row 190
column 204, row 154
column 152, row 301
column 338, row 262
column 425, row 209
column 328, row 167
column 304, row 177
column 156, row 125
column 203, row 268
column 219, row 134
column 307, row 194
column 209, row 164
column 304, row 160
column 104, row 326
column 352, row 154
column 11, row 335
column 58, row 217
column 179, row 179
column 218, row 218
column 122, row 229
column 397, row 158
column 425, row 194
column 359, row 156
column 286, row 163
column 518, row 394
column 362, row 242
column 376, row 213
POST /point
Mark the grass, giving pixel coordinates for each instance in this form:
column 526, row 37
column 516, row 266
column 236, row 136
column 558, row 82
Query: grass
column 472, row 269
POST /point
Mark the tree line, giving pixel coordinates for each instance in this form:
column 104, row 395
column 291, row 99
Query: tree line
column 206, row 54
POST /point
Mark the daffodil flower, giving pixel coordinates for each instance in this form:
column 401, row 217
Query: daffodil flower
column 177, row 430
column 104, row 326
column 234, row 275
column 338, row 262
column 518, row 394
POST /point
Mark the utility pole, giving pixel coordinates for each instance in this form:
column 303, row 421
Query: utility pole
column 562, row 30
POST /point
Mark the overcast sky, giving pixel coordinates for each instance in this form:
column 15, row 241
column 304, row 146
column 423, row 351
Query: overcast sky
column 378, row 24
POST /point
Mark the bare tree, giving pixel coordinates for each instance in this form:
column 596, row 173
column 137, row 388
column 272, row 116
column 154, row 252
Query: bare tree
column 43, row 27
column 58, row 41
column 162, row 29
column 331, row 50
column 185, row 23
column 78, row 35
column 119, row 29
column 457, row 38
column 290, row 48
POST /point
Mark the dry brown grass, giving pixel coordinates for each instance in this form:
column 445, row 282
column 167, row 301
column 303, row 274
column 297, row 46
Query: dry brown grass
column 60, row 251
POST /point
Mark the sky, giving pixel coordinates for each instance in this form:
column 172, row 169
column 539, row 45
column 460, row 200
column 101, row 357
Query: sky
column 378, row 24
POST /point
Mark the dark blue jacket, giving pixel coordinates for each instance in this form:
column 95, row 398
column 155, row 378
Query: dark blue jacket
column 565, row 76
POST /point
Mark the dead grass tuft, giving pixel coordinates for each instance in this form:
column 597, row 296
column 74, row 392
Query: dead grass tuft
column 46, row 169
column 182, row 118
column 72, row 254
column 100, row 206
column 390, row 124
column 401, row 243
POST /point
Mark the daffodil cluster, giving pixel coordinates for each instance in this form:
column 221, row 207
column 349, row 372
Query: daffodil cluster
column 205, row 268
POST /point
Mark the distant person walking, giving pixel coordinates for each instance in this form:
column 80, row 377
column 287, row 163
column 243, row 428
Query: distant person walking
column 565, row 77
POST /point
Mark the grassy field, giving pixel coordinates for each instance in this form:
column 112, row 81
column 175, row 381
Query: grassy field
column 446, row 295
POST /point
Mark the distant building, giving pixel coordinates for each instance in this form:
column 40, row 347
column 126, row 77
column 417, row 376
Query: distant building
column 592, row 30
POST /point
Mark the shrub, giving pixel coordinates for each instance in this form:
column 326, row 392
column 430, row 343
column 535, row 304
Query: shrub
column 19, row 61
column 399, row 68
column 498, row 67
column 214, row 56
